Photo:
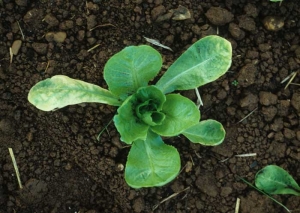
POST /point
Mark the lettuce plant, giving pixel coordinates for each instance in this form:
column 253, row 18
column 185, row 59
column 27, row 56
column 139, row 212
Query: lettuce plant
column 273, row 180
column 147, row 112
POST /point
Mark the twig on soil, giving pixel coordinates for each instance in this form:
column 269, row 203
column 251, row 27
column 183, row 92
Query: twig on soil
column 47, row 66
column 11, row 55
column 21, row 30
column 105, row 128
column 246, row 155
column 291, row 77
column 247, row 115
column 224, row 160
column 157, row 43
column 15, row 166
column 97, row 45
column 265, row 194
column 170, row 197
column 103, row 25
column 237, row 205
column 295, row 84
column 199, row 100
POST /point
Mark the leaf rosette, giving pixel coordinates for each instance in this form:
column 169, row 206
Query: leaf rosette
column 149, row 109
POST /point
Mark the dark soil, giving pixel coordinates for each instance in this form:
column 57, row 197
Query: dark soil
column 65, row 169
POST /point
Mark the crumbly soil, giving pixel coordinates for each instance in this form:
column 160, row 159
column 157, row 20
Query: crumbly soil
column 62, row 165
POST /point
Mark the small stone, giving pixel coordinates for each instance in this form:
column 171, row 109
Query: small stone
column 267, row 98
column 289, row 134
column 40, row 48
column 251, row 54
column 236, row 32
column 247, row 74
column 66, row 25
column 273, row 23
column 295, row 101
column 247, row 23
column 283, row 107
column 206, row 182
column 22, row 3
column 58, row 37
column 269, row 112
column 81, row 35
column 91, row 21
column 15, row 47
column 250, row 101
column 264, row 47
column 51, row 20
column 219, row 16
column 138, row 205
column 225, row 191
column 157, row 11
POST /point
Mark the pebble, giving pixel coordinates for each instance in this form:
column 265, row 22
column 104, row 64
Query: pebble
column 246, row 76
column 40, row 48
column 66, row 25
column 273, row 23
column 247, row 23
column 91, row 21
column 15, row 47
column 56, row 36
column 296, row 101
column 269, row 112
column 267, row 98
column 21, row 2
column 157, row 11
column 236, row 32
column 219, row 16
column 206, row 182
column 250, row 101
column 51, row 20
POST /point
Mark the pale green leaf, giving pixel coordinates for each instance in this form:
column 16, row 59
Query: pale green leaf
column 151, row 163
column 60, row 91
column 131, row 69
column 208, row 133
column 275, row 180
column 127, row 124
column 180, row 112
column 205, row 61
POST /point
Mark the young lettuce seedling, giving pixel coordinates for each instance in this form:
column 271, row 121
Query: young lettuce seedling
column 147, row 112
column 275, row 180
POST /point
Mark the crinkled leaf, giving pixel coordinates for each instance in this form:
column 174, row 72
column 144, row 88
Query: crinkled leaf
column 151, row 163
column 127, row 124
column 181, row 113
column 60, row 91
column 275, row 180
column 205, row 61
column 131, row 68
column 208, row 133
column 149, row 104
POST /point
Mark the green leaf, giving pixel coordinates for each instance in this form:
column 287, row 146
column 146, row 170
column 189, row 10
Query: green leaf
column 60, row 91
column 131, row 69
column 127, row 124
column 205, row 61
column 149, row 104
column 208, row 133
column 180, row 112
column 151, row 163
column 275, row 180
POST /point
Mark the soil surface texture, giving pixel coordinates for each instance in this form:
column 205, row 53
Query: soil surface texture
column 62, row 165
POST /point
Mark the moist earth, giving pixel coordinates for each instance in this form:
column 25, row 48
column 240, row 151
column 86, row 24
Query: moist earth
column 62, row 165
